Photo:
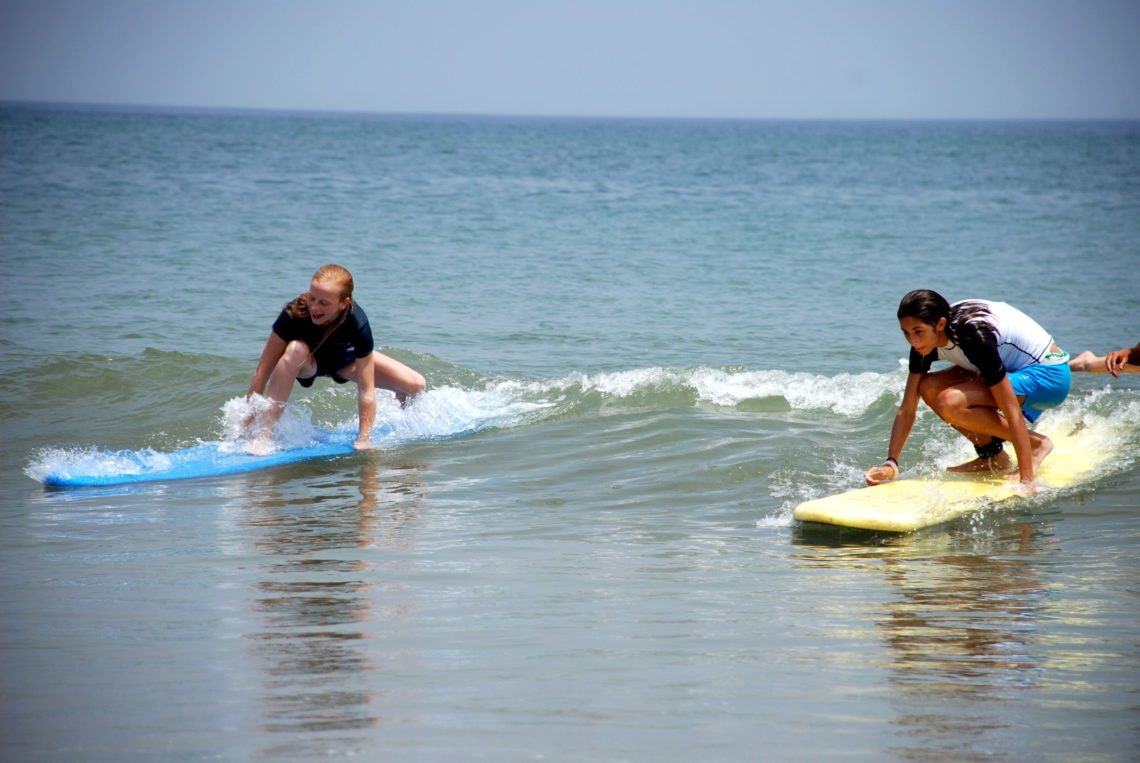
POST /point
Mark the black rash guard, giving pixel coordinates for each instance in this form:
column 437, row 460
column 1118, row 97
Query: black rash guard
column 350, row 341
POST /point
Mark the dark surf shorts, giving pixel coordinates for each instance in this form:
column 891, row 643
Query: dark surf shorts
column 329, row 366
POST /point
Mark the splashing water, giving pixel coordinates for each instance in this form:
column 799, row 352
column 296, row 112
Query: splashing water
column 1102, row 420
column 437, row 414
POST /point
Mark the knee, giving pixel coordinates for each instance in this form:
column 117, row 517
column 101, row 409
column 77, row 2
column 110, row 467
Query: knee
column 415, row 383
column 295, row 356
column 949, row 402
column 943, row 400
column 928, row 390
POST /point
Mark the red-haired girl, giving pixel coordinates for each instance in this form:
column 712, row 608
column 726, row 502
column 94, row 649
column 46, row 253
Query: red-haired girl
column 323, row 332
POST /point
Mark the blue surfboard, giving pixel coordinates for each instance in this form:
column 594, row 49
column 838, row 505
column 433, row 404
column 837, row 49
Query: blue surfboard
column 444, row 413
column 98, row 467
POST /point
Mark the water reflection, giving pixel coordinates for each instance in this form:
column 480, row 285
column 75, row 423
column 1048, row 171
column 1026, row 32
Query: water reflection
column 319, row 595
column 961, row 631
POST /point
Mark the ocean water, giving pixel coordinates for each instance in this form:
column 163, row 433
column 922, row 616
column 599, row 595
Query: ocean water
column 667, row 334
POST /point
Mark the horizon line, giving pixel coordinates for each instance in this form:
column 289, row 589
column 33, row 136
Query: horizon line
column 169, row 107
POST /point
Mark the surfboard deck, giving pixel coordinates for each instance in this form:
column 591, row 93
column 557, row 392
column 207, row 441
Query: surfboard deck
column 101, row 468
column 905, row 505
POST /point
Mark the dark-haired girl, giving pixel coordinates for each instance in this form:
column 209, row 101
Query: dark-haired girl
column 1006, row 371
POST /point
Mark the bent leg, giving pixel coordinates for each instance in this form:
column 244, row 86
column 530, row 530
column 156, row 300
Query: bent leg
column 394, row 376
column 944, row 392
column 390, row 374
column 964, row 401
column 294, row 362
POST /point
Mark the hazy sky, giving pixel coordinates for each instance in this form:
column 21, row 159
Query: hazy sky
column 687, row 58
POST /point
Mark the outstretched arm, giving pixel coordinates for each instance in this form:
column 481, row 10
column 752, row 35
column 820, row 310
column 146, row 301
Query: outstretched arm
column 1115, row 363
column 274, row 349
column 365, row 399
column 1006, row 400
column 900, row 431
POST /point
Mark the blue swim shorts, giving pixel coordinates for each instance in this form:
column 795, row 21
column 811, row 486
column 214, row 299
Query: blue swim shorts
column 1044, row 387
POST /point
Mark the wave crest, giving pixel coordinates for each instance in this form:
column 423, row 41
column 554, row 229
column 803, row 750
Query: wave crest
column 848, row 395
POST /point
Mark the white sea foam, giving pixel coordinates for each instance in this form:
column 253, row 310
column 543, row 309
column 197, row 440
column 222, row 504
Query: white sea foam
column 845, row 394
column 94, row 461
column 241, row 423
column 445, row 411
column 440, row 412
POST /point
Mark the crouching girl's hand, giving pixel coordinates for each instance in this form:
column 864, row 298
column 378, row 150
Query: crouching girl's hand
column 884, row 472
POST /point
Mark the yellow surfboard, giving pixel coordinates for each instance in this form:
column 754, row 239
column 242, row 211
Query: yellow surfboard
column 904, row 505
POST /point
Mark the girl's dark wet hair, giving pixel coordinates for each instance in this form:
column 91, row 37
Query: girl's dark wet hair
column 926, row 305
column 929, row 306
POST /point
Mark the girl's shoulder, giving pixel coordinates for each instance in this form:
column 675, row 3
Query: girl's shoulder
column 357, row 320
column 288, row 325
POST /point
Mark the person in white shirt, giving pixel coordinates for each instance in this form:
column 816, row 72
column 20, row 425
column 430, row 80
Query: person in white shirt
column 1007, row 370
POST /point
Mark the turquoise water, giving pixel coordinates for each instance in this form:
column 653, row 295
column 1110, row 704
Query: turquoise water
column 679, row 331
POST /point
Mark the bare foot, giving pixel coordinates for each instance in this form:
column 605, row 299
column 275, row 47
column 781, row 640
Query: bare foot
column 262, row 446
column 999, row 463
column 1042, row 446
column 1087, row 362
